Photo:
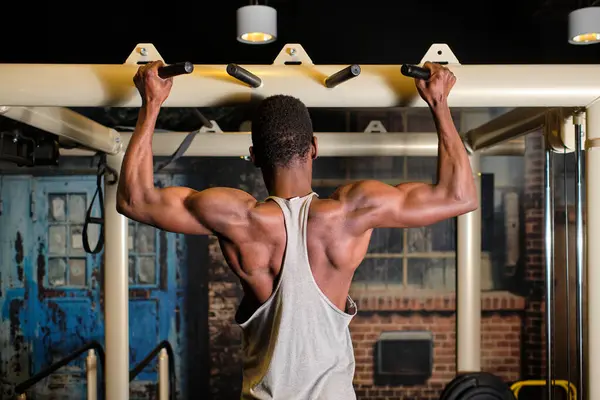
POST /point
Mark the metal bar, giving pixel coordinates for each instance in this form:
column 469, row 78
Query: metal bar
column 116, row 291
column 91, row 370
column 163, row 375
column 567, row 269
column 28, row 383
column 577, row 120
column 592, row 212
column 507, row 126
column 468, row 284
column 95, row 85
column 549, row 246
column 331, row 144
column 342, row 76
column 68, row 124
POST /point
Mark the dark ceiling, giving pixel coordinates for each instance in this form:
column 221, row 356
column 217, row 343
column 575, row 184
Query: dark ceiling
column 332, row 31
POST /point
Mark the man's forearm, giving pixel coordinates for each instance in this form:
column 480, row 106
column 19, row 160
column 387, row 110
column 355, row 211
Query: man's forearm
column 455, row 176
column 136, row 182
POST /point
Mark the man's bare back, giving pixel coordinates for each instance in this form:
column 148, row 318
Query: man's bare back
column 252, row 232
column 333, row 254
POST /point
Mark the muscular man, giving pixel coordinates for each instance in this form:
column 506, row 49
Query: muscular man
column 294, row 253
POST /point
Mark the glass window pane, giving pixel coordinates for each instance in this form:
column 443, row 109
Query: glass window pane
column 386, row 240
column 437, row 237
column 77, row 272
column 147, row 271
column 57, row 272
column 431, row 273
column 57, row 207
column 379, row 270
column 77, row 208
column 144, row 238
column 419, row 239
column 57, row 239
column 77, row 239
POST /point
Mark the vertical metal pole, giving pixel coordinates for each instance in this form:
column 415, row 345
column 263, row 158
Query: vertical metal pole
column 592, row 190
column 549, row 245
column 163, row 375
column 568, row 271
column 577, row 120
column 91, row 375
column 468, row 283
column 116, row 292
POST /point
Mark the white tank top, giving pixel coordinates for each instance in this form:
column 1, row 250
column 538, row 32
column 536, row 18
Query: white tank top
column 297, row 345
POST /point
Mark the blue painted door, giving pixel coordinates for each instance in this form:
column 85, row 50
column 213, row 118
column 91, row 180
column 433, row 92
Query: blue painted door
column 51, row 296
column 65, row 296
column 50, row 289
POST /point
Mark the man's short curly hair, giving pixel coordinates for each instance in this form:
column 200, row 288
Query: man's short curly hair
column 282, row 131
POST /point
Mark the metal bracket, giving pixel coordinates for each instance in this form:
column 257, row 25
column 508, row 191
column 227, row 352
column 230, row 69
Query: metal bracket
column 440, row 53
column 293, row 54
column 559, row 130
column 375, row 127
column 215, row 128
column 143, row 53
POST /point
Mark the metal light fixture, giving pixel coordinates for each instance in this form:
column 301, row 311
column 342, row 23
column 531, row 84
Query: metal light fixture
column 584, row 26
column 256, row 24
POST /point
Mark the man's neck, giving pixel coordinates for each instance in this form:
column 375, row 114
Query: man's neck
column 289, row 182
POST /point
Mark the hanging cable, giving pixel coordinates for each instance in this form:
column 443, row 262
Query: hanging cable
column 103, row 169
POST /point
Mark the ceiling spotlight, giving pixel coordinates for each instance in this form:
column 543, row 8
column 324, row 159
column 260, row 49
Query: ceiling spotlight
column 584, row 26
column 256, row 24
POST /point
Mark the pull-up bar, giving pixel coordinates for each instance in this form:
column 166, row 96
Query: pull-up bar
column 294, row 73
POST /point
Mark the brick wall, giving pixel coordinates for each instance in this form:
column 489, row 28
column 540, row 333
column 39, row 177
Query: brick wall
column 379, row 312
column 224, row 294
column 533, row 328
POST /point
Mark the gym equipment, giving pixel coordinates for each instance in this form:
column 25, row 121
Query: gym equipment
column 415, row 72
column 169, row 71
column 569, row 387
column 243, row 75
column 477, row 386
column 579, row 254
column 342, row 76
column 550, row 309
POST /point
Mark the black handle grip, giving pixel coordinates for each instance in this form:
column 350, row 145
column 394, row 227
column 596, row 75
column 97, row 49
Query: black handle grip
column 415, row 72
column 243, row 75
column 342, row 76
column 169, row 71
